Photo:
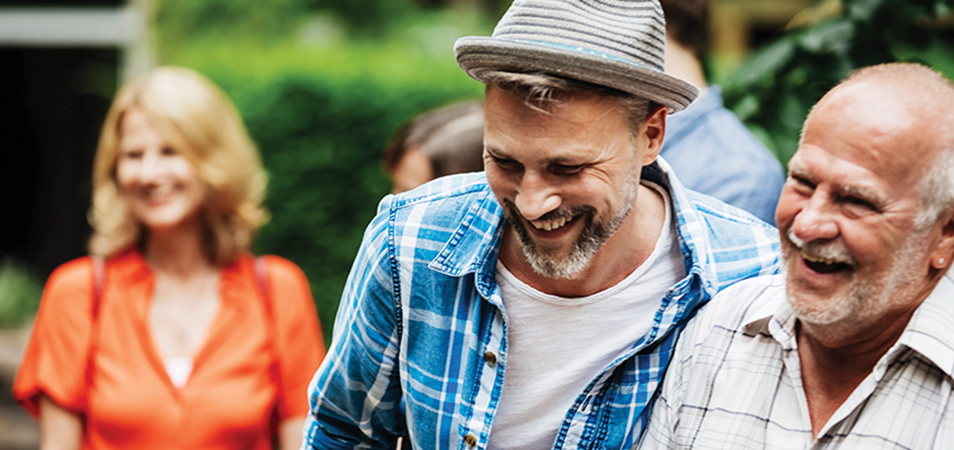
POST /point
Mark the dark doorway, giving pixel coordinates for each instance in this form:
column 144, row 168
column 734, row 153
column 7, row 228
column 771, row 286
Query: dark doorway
column 52, row 104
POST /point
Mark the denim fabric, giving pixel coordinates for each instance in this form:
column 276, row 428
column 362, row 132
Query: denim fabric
column 421, row 310
column 713, row 153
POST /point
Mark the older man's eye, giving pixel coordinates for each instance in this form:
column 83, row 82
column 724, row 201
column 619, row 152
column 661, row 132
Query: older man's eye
column 859, row 202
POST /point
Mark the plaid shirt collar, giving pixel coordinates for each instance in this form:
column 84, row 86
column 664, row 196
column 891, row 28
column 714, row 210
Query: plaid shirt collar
column 930, row 332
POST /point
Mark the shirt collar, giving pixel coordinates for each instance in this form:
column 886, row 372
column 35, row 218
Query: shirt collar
column 930, row 331
column 773, row 317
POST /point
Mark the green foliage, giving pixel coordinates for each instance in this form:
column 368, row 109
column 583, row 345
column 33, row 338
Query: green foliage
column 774, row 90
column 321, row 119
column 20, row 291
column 179, row 22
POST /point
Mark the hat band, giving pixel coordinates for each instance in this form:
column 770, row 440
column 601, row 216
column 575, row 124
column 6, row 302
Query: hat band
column 583, row 50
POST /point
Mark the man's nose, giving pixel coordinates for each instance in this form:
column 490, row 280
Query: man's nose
column 817, row 218
column 536, row 196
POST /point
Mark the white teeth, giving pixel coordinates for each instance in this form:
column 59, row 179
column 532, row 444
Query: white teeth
column 814, row 259
column 550, row 225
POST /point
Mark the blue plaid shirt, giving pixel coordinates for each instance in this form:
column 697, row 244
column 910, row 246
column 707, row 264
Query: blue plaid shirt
column 420, row 339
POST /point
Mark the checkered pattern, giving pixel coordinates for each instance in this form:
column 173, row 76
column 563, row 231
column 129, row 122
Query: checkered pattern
column 421, row 311
column 735, row 381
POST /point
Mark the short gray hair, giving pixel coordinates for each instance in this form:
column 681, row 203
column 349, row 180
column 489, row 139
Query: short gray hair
column 937, row 188
column 540, row 90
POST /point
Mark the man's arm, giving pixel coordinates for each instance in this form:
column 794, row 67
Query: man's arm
column 355, row 394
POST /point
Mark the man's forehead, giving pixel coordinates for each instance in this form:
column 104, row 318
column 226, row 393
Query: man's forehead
column 583, row 108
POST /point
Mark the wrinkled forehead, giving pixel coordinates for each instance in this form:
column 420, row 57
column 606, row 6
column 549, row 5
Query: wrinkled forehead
column 874, row 128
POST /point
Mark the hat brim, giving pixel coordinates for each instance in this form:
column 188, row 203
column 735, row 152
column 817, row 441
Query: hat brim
column 477, row 55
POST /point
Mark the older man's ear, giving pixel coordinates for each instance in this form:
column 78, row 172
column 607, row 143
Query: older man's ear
column 943, row 251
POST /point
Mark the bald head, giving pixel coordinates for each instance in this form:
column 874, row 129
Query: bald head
column 904, row 115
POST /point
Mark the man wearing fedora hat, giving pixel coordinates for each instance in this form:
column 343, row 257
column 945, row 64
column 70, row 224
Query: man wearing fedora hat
column 535, row 305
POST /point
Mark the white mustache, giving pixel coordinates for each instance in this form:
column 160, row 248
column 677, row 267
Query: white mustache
column 831, row 250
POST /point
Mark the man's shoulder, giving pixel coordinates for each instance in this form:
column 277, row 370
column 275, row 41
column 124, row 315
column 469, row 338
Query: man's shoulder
column 727, row 227
column 451, row 221
column 440, row 198
column 743, row 305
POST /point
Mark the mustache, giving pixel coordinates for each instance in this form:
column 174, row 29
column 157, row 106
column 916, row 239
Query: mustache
column 513, row 212
column 834, row 250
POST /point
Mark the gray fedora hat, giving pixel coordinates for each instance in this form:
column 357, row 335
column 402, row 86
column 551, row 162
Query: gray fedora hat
column 614, row 43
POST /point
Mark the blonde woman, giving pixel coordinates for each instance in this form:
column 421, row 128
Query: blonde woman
column 172, row 335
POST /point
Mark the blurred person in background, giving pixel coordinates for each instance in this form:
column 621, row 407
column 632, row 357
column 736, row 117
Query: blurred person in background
column 440, row 142
column 709, row 148
column 172, row 335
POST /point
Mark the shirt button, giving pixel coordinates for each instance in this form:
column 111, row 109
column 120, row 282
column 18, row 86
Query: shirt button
column 490, row 357
column 470, row 440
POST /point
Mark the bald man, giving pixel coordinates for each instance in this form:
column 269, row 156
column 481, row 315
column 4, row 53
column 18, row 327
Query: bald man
column 852, row 345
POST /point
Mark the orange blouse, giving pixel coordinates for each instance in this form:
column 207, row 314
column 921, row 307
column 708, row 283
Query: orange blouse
column 126, row 397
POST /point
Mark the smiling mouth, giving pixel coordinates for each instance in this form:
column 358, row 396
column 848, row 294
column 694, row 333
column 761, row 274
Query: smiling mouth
column 823, row 265
column 551, row 225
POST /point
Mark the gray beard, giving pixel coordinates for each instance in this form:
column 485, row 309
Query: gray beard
column 591, row 239
column 865, row 298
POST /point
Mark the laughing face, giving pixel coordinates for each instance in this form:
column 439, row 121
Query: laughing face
column 852, row 252
column 567, row 178
column 159, row 185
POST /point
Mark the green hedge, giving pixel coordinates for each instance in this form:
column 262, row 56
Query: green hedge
column 20, row 291
column 320, row 119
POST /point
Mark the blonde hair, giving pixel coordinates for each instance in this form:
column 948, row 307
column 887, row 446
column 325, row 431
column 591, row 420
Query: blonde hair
column 197, row 119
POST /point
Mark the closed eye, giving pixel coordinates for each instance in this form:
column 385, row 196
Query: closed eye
column 801, row 182
column 505, row 163
column 566, row 170
column 859, row 202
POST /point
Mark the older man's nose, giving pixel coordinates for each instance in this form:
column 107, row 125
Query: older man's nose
column 816, row 220
column 535, row 197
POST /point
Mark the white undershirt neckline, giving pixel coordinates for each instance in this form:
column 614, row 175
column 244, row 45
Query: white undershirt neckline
column 581, row 336
column 179, row 368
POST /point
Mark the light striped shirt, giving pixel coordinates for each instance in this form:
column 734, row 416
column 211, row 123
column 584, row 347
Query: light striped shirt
column 735, row 381
column 420, row 341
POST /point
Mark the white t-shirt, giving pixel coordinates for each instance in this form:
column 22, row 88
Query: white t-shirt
column 557, row 345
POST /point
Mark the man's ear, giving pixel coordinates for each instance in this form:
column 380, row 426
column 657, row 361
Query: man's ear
column 943, row 252
column 655, row 130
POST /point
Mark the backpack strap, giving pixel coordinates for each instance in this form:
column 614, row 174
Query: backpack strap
column 99, row 277
column 262, row 279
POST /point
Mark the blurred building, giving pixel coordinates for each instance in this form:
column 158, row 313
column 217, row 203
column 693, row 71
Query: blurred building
column 738, row 26
column 60, row 63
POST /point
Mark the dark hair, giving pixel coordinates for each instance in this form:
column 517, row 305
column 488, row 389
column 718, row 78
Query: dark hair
column 687, row 22
column 452, row 138
column 540, row 89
